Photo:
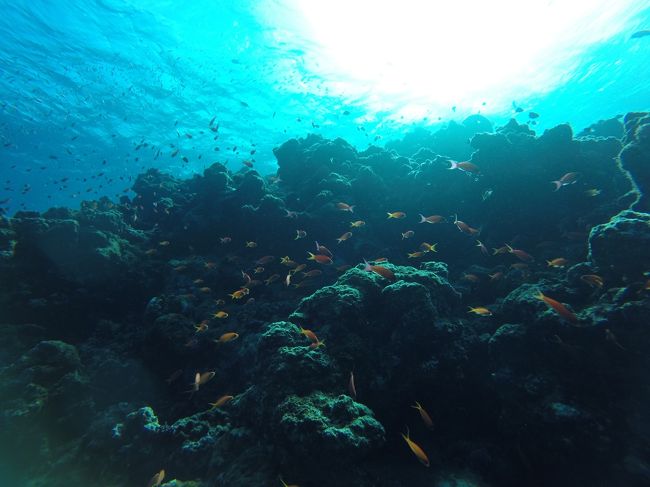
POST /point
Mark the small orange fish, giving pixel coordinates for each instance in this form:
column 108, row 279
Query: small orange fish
column 345, row 207
column 344, row 237
column 465, row 228
column 287, row 280
column 300, row 234
column 568, row 178
column 251, row 244
column 481, row 311
column 381, row 270
column 221, row 401
column 240, row 293
column 157, row 479
column 562, row 310
column 150, row 251
column 559, row 262
column 415, row 448
column 258, row 270
column 219, row 302
column 265, row 260
column 220, row 315
column 465, row 166
column 521, row 255
column 198, row 281
column 379, row 259
column 309, row 334
column 272, row 279
column 415, row 255
column 205, row 290
column 397, row 215
column 424, row 415
column 593, row 280
column 431, row 219
column 427, row 247
column 179, row 268
column 227, row 337
column 321, row 259
column 408, row 234
column 225, row 240
column 357, row 224
column 164, row 243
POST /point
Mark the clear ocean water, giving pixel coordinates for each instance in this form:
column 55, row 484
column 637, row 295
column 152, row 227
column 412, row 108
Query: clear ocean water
column 84, row 83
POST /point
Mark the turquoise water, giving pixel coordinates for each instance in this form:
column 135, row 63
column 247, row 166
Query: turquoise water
column 85, row 83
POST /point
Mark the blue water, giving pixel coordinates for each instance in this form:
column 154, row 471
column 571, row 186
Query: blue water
column 84, row 83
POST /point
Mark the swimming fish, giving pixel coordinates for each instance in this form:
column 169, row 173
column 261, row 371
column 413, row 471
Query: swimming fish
column 424, row 415
column 157, row 479
column 482, row 247
column 251, row 244
column 481, row 311
column 431, row 219
column 640, row 33
column 397, row 215
column 593, row 280
column 200, row 379
column 568, row 178
column 464, row 227
column 300, row 234
column 284, row 484
column 345, row 207
column 427, row 247
column 227, row 337
column 612, row 338
column 221, row 401
column 465, row 166
column 415, row 448
column 344, row 237
column 520, row 254
column 309, row 334
column 321, row 259
column 415, row 255
column 408, row 234
column 201, row 327
column 272, row 279
column 562, row 310
column 559, row 262
column 381, row 270
column 321, row 249
column 357, row 224
column 220, row 314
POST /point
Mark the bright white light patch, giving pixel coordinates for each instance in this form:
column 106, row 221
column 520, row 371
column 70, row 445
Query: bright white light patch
column 416, row 58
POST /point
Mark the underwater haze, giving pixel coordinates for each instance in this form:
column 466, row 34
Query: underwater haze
column 85, row 84
column 300, row 244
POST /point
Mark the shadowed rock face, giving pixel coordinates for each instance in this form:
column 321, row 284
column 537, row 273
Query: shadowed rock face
column 517, row 395
column 635, row 157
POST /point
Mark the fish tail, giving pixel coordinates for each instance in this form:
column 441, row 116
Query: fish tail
column 422, row 219
column 558, row 185
column 454, row 165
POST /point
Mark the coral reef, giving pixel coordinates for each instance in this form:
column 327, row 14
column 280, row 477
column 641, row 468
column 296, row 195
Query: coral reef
column 482, row 291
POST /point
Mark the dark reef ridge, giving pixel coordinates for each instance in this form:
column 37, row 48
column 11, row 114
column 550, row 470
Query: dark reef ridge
column 114, row 316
